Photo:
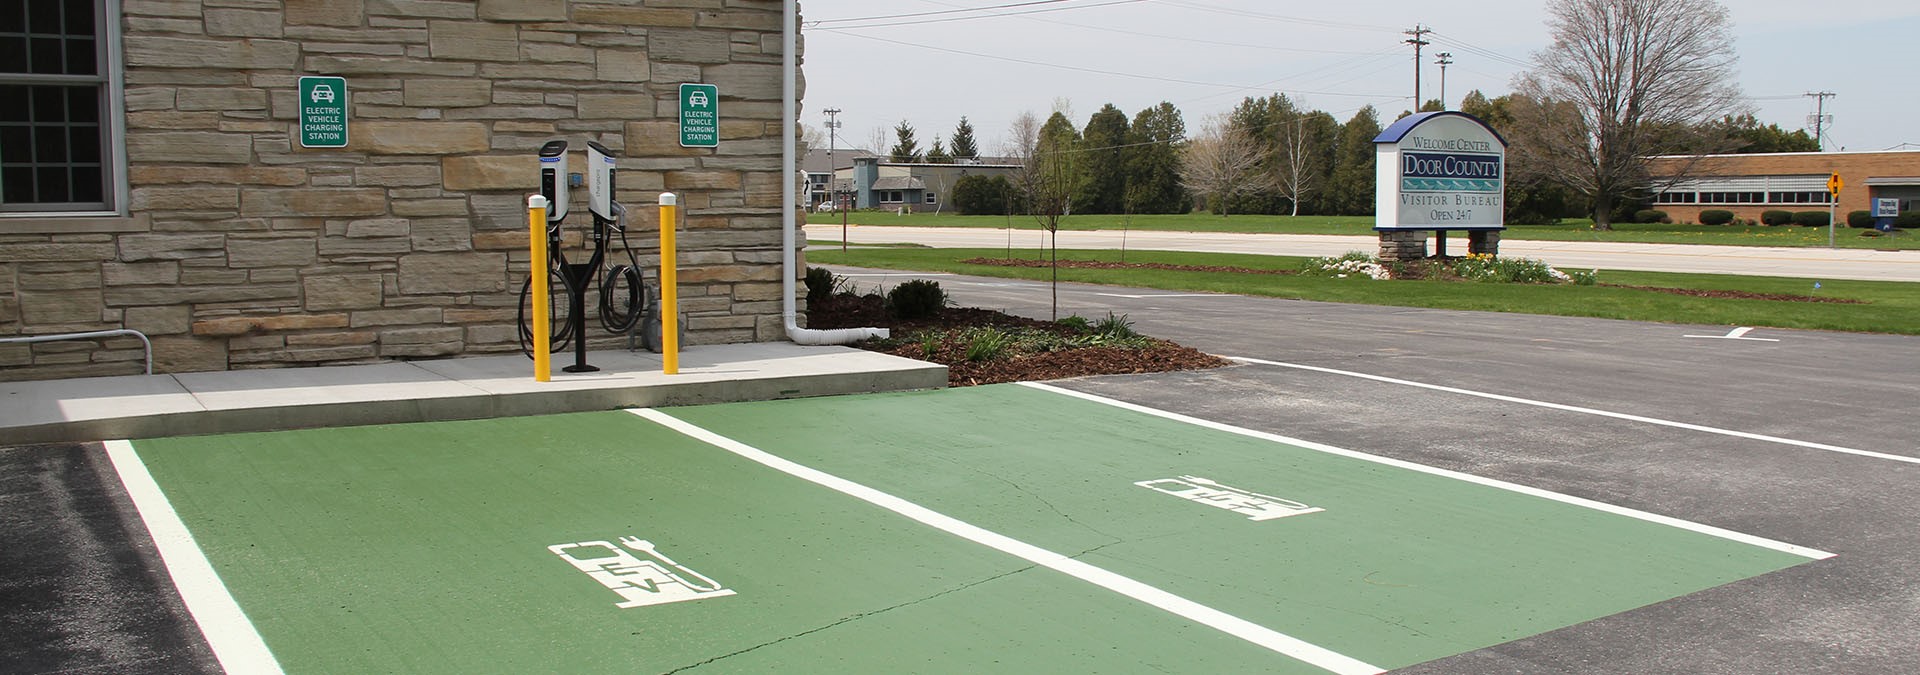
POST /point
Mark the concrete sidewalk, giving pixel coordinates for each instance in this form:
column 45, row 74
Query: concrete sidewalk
column 147, row 406
column 1816, row 263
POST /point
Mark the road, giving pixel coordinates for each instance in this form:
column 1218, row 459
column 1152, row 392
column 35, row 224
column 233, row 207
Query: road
column 1813, row 263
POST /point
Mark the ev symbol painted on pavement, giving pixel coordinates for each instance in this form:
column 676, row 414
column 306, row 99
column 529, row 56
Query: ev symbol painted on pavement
column 1256, row 506
column 649, row 579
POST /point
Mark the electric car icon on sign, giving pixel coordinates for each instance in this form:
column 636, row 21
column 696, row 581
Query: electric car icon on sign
column 697, row 99
column 322, row 93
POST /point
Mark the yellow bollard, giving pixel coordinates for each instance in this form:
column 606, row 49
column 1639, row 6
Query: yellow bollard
column 537, row 270
column 669, row 286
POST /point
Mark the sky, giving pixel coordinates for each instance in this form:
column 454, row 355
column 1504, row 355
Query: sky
column 1205, row 56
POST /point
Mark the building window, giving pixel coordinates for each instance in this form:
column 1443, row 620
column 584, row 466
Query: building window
column 892, row 197
column 56, row 131
column 933, row 198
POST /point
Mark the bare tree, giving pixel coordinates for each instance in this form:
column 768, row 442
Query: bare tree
column 1222, row 162
column 878, row 140
column 1047, row 178
column 812, row 137
column 1294, row 162
column 1622, row 81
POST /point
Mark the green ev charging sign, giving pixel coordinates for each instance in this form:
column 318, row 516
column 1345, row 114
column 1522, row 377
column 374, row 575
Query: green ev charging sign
column 699, row 115
column 323, row 112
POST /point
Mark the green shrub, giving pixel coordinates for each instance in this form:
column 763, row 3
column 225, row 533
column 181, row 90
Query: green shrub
column 822, row 283
column 916, row 299
column 1811, row 218
column 1483, row 267
column 1776, row 217
column 1859, row 219
column 1116, row 327
column 1649, row 216
column 985, row 196
column 986, row 344
column 1716, row 217
column 1907, row 220
column 1078, row 323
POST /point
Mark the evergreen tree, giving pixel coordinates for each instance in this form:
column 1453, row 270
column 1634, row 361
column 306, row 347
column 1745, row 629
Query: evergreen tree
column 1153, row 161
column 1262, row 120
column 905, row 149
column 938, row 153
column 1103, row 157
column 1352, row 190
column 964, row 146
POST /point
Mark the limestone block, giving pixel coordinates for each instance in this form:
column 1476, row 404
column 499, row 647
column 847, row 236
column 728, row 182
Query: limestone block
column 188, row 355
column 185, row 198
column 703, row 180
column 171, row 52
column 167, row 320
column 168, row 295
column 149, row 98
column 729, row 274
column 341, row 291
column 201, row 275
column 633, row 16
column 424, row 9
column 690, row 46
column 399, row 175
column 500, row 240
column 760, row 21
column 353, row 353
column 416, row 208
column 473, row 41
column 46, row 308
column 153, row 174
column 230, row 326
column 374, row 65
column 343, row 249
column 326, row 12
column 550, row 52
column 141, row 274
column 523, row 10
column 379, row 227
column 138, row 247
column 314, row 203
column 456, row 315
column 189, row 147
column 333, row 339
column 617, row 65
column 244, row 23
column 423, row 273
column 396, row 317
column 490, row 172
column 444, row 93
column 176, row 8
column 419, row 137
column 658, row 138
column 443, row 234
column 751, row 81
column 291, row 252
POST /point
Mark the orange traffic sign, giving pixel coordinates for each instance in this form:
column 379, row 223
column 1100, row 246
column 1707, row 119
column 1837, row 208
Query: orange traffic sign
column 1834, row 184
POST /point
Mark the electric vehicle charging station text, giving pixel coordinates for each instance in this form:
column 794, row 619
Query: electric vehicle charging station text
column 609, row 217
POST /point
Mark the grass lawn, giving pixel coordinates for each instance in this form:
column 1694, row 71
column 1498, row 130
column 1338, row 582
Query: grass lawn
column 1572, row 230
column 1889, row 307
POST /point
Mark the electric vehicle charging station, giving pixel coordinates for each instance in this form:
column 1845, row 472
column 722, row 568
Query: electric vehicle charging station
column 621, row 309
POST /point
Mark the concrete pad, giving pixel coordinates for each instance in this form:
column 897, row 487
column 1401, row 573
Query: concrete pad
column 424, row 391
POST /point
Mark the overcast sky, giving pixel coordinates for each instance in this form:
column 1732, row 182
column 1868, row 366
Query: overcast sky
column 1204, row 56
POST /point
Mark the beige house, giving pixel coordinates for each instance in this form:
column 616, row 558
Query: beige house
column 152, row 174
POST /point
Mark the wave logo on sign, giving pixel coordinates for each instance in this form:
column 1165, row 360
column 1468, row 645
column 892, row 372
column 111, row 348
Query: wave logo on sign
column 649, row 578
column 1253, row 505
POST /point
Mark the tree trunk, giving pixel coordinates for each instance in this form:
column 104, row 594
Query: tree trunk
column 1603, row 211
column 1053, row 243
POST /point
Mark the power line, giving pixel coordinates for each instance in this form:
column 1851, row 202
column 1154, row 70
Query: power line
column 1274, row 17
column 1417, row 31
column 936, row 13
column 1820, row 119
column 982, row 16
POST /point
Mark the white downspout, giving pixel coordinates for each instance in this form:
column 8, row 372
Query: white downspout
column 789, row 151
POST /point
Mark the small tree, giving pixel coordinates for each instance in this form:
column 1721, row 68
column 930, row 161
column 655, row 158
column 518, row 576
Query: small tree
column 1221, row 163
column 1048, row 178
column 964, row 146
column 938, row 153
column 1294, row 162
column 905, row 149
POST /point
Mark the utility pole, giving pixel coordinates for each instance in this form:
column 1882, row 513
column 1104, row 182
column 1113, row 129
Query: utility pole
column 1418, row 40
column 1446, row 59
column 833, row 173
column 1819, row 120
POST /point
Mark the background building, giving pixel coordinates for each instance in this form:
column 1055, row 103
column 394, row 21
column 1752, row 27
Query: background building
column 1788, row 181
column 152, row 175
column 915, row 187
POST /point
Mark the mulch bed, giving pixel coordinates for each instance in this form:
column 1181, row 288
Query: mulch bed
column 850, row 311
column 1099, row 265
column 1740, row 295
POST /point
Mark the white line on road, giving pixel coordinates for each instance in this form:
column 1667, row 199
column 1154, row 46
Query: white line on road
column 1669, row 521
column 1232, row 625
column 1165, row 295
column 1735, row 334
column 897, row 274
column 1591, row 411
column 235, row 642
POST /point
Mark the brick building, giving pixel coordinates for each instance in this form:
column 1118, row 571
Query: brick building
column 1788, row 181
column 153, row 177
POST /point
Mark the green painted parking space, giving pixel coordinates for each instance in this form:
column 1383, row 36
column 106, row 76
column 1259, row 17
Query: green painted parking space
column 609, row 542
column 427, row 548
column 1396, row 567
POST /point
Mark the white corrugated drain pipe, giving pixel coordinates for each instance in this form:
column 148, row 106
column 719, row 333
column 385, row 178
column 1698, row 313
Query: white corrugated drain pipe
column 789, row 150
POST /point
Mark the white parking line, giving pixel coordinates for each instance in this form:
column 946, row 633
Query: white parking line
column 235, row 642
column 1232, row 625
column 1591, row 411
column 1669, row 521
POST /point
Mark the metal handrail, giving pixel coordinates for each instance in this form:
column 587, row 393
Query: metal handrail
column 88, row 336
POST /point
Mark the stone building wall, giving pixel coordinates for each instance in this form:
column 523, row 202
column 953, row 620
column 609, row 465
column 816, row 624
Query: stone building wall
column 244, row 250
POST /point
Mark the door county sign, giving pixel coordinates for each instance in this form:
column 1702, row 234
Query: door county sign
column 699, row 115
column 323, row 112
column 1440, row 171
